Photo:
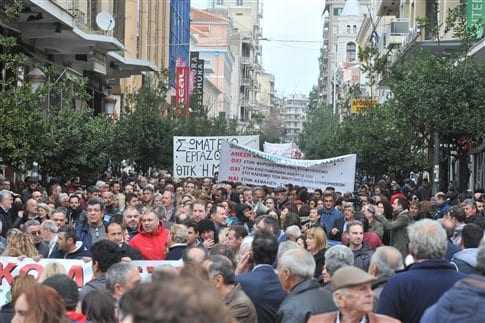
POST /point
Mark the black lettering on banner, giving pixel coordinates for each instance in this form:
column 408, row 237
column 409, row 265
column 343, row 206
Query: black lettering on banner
column 180, row 142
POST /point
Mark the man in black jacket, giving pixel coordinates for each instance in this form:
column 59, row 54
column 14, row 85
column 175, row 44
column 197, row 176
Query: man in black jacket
column 116, row 233
column 305, row 295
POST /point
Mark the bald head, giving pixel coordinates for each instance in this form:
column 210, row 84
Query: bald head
column 385, row 261
column 194, row 255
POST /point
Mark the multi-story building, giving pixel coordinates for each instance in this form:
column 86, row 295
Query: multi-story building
column 265, row 97
column 293, row 115
column 246, row 17
column 68, row 34
column 211, row 34
column 179, row 36
column 341, row 23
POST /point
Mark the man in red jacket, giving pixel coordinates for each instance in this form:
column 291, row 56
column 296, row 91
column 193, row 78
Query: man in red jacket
column 152, row 238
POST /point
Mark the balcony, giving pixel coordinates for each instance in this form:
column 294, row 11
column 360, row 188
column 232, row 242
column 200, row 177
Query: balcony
column 245, row 81
column 397, row 33
column 245, row 60
column 387, row 7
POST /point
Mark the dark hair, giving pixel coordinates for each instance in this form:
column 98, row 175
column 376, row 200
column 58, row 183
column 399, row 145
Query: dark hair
column 387, row 207
column 130, row 196
column 219, row 264
column 92, row 189
column 458, row 213
column 96, row 201
column 66, row 288
column 264, row 247
column 70, row 233
column 45, row 305
column 206, row 225
column 99, row 307
column 62, row 210
column 239, row 231
column 112, row 223
column 74, row 196
column 105, row 253
column 471, row 235
column 189, row 223
column 269, row 221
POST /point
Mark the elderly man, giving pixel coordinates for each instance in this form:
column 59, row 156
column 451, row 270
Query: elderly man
column 353, row 295
column 408, row 294
column 305, row 296
column 152, row 239
column 48, row 233
column 32, row 227
column 335, row 258
column 120, row 278
column 221, row 274
column 6, row 211
column 464, row 301
column 383, row 265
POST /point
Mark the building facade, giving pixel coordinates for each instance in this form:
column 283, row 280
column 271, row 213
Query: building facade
column 293, row 115
column 179, row 36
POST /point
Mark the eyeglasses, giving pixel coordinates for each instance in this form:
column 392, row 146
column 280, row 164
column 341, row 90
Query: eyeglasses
column 37, row 233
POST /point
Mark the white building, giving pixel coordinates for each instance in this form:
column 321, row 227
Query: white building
column 293, row 115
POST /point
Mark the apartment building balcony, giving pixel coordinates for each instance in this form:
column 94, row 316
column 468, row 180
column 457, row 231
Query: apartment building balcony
column 397, row 33
column 245, row 60
column 387, row 7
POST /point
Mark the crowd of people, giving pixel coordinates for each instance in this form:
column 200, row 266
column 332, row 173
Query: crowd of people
column 250, row 254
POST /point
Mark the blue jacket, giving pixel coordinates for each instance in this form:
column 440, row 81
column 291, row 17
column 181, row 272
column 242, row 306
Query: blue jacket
column 328, row 217
column 462, row 303
column 264, row 289
column 442, row 210
column 409, row 293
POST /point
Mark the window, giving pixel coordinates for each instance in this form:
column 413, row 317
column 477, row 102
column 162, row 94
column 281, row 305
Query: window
column 337, row 11
column 348, row 29
column 239, row 3
column 355, row 29
column 220, row 2
column 351, row 51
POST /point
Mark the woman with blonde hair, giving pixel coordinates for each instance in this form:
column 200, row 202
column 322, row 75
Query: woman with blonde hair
column 316, row 241
column 44, row 211
column 52, row 269
column 20, row 244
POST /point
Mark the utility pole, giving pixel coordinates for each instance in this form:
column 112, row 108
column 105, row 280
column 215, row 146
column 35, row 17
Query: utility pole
column 436, row 162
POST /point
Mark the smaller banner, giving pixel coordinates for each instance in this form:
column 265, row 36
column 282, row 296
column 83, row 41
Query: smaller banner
column 253, row 167
column 197, row 67
column 200, row 156
column 182, row 76
column 288, row 150
column 11, row 267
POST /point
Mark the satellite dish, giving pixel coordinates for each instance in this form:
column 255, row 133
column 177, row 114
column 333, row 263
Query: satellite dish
column 105, row 21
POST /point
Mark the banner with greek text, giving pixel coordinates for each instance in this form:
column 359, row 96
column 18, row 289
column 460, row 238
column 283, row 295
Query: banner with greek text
column 200, row 156
column 253, row 167
column 11, row 267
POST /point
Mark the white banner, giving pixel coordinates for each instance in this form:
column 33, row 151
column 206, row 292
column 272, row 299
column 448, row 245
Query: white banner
column 253, row 167
column 11, row 267
column 147, row 267
column 279, row 149
column 200, row 156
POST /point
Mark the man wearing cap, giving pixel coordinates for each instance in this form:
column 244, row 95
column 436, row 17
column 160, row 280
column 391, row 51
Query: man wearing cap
column 352, row 293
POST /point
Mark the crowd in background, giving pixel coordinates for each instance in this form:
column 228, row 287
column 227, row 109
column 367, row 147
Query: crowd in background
column 384, row 253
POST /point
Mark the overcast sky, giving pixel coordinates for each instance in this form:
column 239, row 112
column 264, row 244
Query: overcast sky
column 295, row 65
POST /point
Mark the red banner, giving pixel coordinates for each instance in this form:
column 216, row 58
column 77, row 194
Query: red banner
column 182, row 75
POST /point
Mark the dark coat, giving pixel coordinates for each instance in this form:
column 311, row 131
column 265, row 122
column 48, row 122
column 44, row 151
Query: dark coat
column 320, row 262
column 176, row 252
column 305, row 299
column 6, row 313
column 132, row 253
column 264, row 289
column 409, row 293
column 462, row 303
column 362, row 257
column 339, row 225
column 42, row 249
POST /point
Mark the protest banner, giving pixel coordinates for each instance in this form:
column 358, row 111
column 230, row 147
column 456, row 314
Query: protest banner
column 200, row 156
column 253, row 167
column 11, row 267
column 288, row 150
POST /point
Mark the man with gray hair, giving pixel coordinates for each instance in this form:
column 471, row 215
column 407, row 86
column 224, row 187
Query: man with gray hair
column 122, row 277
column 464, row 301
column 385, row 261
column 408, row 294
column 6, row 211
column 222, row 276
column 335, row 258
column 48, row 233
column 305, row 296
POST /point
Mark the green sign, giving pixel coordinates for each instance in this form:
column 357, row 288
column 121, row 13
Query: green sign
column 475, row 14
